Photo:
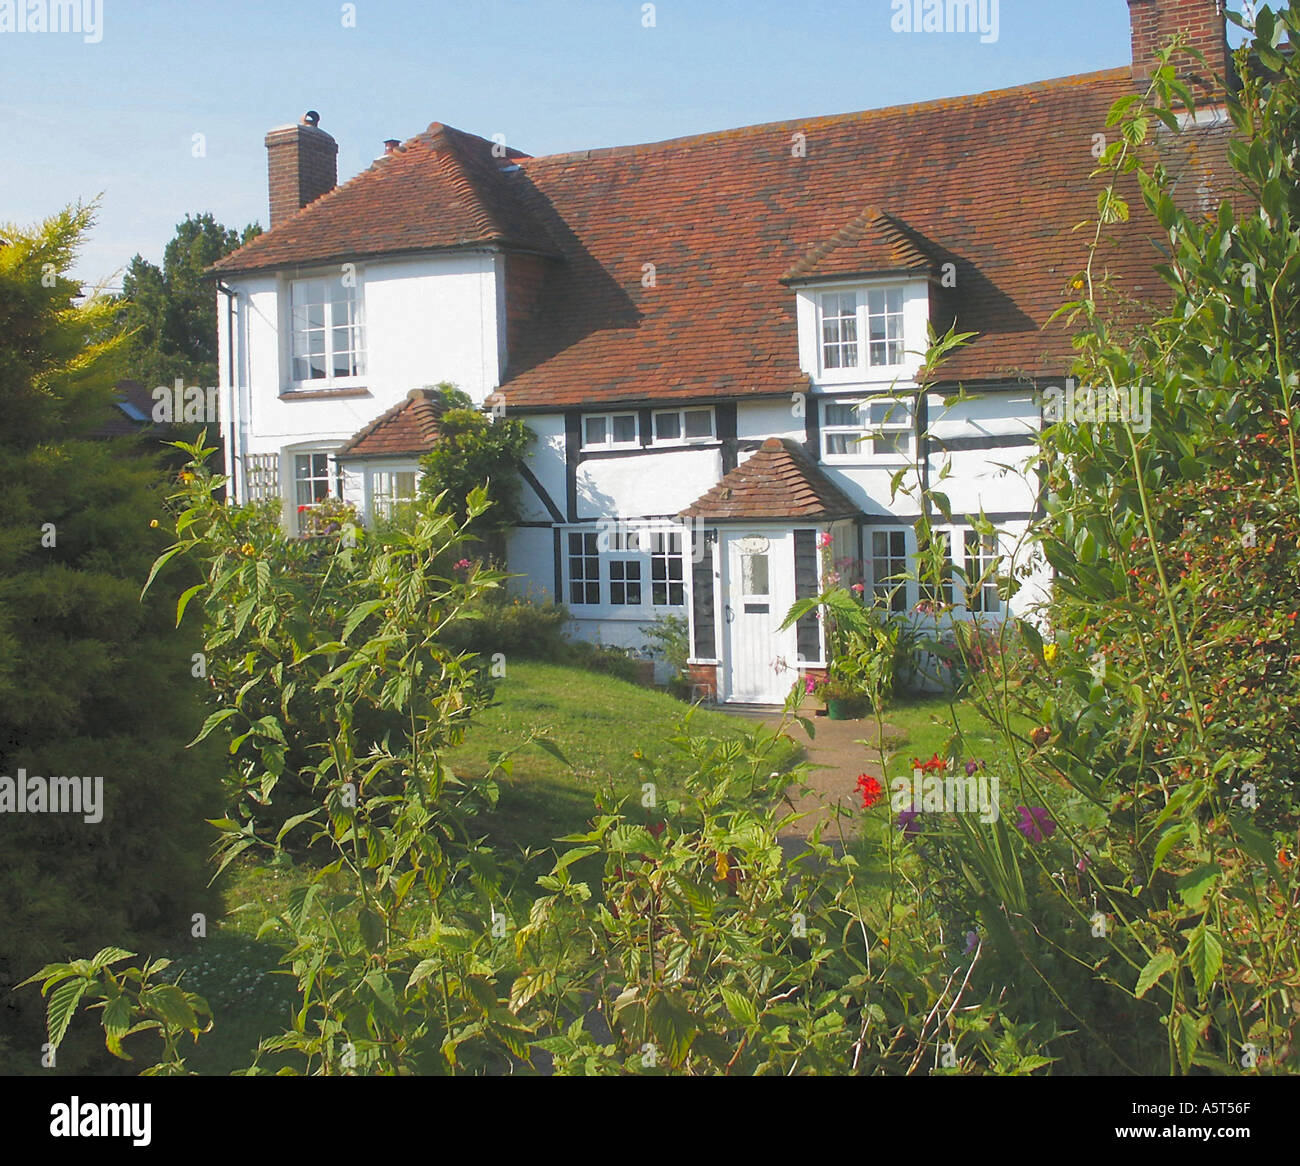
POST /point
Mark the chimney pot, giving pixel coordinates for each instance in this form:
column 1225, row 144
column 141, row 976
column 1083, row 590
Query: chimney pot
column 391, row 144
column 302, row 165
column 1154, row 22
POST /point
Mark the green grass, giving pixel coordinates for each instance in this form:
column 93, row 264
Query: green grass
column 609, row 731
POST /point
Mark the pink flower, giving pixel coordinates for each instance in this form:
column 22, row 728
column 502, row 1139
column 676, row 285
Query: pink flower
column 809, row 684
column 463, row 565
column 824, row 540
column 858, row 587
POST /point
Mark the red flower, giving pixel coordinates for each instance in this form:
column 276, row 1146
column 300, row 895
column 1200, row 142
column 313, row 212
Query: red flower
column 870, row 789
column 656, row 828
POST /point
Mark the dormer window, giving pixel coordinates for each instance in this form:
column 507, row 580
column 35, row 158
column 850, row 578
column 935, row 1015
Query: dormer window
column 861, row 328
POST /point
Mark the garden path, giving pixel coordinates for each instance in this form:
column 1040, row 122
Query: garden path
column 837, row 755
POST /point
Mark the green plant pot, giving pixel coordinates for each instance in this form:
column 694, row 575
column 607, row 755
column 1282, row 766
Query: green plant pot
column 844, row 710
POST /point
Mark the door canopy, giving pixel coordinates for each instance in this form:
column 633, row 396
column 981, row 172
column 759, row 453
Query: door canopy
column 777, row 482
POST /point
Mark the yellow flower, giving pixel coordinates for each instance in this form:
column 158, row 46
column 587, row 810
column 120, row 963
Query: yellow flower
column 186, row 476
column 247, row 549
column 723, row 867
column 153, row 524
column 1049, row 653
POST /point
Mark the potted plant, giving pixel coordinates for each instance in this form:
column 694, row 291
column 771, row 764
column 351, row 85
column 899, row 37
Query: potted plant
column 844, row 700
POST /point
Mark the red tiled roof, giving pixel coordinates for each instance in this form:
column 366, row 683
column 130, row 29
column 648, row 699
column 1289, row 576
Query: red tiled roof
column 439, row 190
column 409, row 427
column 994, row 183
column 777, row 481
column 874, row 243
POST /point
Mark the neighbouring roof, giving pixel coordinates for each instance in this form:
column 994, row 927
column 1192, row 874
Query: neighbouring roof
column 994, row 183
column 440, row 190
column 777, row 481
column 409, row 427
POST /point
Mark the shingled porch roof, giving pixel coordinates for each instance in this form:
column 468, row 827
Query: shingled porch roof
column 409, row 427
column 778, row 481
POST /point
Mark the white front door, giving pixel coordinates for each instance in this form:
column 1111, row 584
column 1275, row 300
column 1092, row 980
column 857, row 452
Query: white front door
column 759, row 662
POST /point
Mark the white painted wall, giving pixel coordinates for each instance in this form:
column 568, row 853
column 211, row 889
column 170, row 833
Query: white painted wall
column 758, row 420
column 546, row 460
column 659, row 482
column 427, row 319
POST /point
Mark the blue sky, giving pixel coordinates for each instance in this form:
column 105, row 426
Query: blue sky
column 118, row 117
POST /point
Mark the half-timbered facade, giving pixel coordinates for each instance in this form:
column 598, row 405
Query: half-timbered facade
column 717, row 340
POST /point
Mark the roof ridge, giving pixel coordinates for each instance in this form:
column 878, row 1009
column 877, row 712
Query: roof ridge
column 1049, row 85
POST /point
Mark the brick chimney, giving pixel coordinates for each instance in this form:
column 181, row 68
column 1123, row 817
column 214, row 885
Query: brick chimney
column 1155, row 21
column 302, row 164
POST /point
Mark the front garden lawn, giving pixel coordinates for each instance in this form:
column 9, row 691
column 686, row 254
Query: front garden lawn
column 608, row 730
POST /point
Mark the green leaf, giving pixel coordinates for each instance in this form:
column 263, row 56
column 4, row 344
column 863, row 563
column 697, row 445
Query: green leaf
column 1195, row 885
column 359, row 614
column 1205, row 958
column 211, row 723
column 296, row 820
column 423, row 970
column 63, row 1006
column 109, row 955
column 1158, row 965
column 740, row 1007
column 1187, row 1035
column 1168, row 840
column 529, row 984
column 169, row 1002
column 184, row 601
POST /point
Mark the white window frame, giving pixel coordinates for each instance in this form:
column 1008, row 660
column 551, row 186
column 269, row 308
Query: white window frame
column 333, row 479
column 986, row 556
column 883, row 586
column 585, row 554
column 331, row 380
column 609, row 443
column 374, row 510
column 863, row 366
column 634, row 545
column 900, row 419
column 680, row 414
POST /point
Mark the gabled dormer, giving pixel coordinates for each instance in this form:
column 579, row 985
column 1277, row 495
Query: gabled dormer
column 863, row 303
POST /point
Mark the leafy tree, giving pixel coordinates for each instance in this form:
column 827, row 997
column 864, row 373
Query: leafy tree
column 474, row 450
column 92, row 683
column 1153, row 906
column 170, row 310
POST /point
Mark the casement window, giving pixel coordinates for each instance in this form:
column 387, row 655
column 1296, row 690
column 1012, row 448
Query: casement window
column 889, row 568
column 610, row 431
column 981, row 566
column 878, row 429
column 637, row 568
column 925, row 568
column 315, row 477
column 839, row 330
column 584, row 569
column 861, row 329
column 682, row 426
column 326, row 345
column 625, row 563
column 390, row 490
column 667, row 578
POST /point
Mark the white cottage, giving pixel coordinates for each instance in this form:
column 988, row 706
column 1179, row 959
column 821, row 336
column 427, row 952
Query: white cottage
column 716, row 339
